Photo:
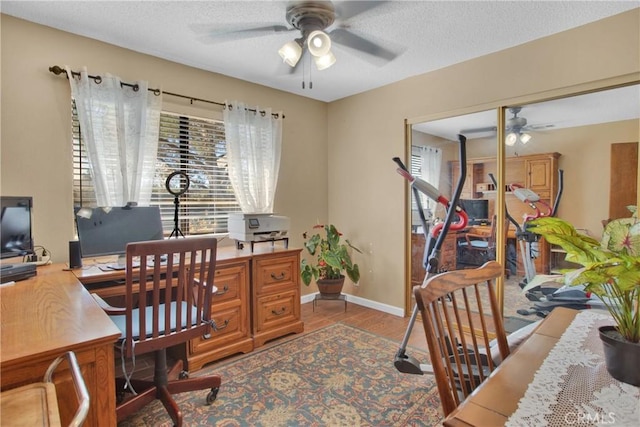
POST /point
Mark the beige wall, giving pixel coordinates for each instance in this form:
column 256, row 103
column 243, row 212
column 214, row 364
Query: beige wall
column 336, row 162
column 366, row 196
column 36, row 133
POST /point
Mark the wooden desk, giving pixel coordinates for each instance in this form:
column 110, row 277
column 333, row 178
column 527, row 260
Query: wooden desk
column 46, row 315
column 486, row 230
column 258, row 299
column 497, row 398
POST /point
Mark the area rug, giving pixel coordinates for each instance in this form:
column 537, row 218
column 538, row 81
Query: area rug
column 336, row 376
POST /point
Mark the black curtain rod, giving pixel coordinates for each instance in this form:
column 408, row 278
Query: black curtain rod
column 57, row 70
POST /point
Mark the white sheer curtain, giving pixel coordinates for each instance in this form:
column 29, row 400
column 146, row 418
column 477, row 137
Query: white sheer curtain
column 254, row 141
column 120, row 128
column 430, row 166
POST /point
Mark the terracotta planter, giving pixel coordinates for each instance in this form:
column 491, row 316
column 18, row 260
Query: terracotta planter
column 330, row 288
column 621, row 356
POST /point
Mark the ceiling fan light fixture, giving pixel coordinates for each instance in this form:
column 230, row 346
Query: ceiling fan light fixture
column 525, row 137
column 511, row 139
column 319, row 43
column 291, row 52
column 325, row 61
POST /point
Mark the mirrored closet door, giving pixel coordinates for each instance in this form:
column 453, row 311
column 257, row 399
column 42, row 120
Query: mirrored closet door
column 592, row 138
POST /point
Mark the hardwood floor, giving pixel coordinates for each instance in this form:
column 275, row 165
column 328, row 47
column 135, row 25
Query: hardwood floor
column 326, row 313
column 374, row 321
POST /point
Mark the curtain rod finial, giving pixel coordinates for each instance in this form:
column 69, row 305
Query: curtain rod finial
column 57, row 70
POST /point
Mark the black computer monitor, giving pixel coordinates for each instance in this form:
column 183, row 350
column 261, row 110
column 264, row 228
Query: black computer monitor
column 477, row 210
column 15, row 226
column 107, row 232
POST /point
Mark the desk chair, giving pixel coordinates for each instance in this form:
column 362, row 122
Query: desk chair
column 476, row 249
column 184, row 284
column 481, row 247
column 452, row 305
column 37, row 404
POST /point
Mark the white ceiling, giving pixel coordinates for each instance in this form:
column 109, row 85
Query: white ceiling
column 593, row 108
column 428, row 35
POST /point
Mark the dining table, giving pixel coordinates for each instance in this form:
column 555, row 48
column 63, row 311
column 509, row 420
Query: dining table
column 557, row 377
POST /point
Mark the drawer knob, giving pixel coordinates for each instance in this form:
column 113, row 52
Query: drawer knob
column 277, row 276
column 279, row 312
column 223, row 291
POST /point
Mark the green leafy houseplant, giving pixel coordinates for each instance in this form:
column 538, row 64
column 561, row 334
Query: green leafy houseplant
column 611, row 267
column 332, row 257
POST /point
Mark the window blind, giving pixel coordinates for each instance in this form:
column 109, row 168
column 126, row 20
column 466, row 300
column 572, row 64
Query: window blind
column 416, row 170
column 188, row 144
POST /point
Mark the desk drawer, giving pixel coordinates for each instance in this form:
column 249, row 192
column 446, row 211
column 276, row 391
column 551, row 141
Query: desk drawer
column 228, row 280
column 276, row 274
column 230, row 327
column 448, row 252
column 275, row 310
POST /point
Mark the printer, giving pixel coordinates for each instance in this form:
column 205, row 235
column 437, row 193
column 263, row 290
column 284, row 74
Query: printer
column 257, row 227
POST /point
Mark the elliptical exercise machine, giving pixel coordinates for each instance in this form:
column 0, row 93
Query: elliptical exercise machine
column 545, row 298
column 434, row 239
column 528, row 241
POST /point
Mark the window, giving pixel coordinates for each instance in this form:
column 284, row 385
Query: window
column 192, row 145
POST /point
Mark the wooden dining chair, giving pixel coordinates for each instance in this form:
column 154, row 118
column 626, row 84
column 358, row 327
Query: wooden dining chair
column 172, row 288
column 461, row 318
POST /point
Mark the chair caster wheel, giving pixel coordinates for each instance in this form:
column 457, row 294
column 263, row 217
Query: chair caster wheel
column 211, row 396
column 183, row 375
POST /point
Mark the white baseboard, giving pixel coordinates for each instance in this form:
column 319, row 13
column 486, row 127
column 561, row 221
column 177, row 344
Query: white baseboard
column 385, row 308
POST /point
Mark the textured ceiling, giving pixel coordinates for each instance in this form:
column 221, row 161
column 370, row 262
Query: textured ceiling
column 428, row 35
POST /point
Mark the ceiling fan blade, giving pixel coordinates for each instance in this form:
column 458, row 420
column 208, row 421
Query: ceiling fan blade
column 478, row 130
column 258, row 31
column 538, row 127
column 529, row 128
column 349, row 39
column 349, row 9
column 208, row 34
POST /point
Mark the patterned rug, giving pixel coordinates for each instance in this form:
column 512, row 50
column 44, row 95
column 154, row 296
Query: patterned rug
column 336, row 376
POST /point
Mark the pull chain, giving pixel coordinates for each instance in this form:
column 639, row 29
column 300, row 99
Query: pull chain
column 310, row 67
column 304, row 69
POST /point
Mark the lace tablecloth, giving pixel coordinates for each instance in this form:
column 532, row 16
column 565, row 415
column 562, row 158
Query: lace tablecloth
column 573, row 387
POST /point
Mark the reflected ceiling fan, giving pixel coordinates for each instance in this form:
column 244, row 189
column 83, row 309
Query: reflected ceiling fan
column 516, row 128
column 320, row 24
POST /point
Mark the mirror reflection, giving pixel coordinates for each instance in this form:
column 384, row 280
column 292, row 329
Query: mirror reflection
column 592, row 138
column 435, row 157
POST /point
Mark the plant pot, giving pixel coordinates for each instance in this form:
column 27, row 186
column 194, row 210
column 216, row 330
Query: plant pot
column 330, row 288
column 621, row 356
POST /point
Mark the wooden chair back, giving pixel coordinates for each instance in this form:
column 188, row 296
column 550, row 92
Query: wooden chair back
column 177, row 274
column 461, row 315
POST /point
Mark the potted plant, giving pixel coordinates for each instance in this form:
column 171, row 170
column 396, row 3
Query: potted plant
column 332, row 260
column 611, row 270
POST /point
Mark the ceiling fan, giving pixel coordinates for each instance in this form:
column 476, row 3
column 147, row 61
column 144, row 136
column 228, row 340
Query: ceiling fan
column 320, row 24
column 516, row 128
